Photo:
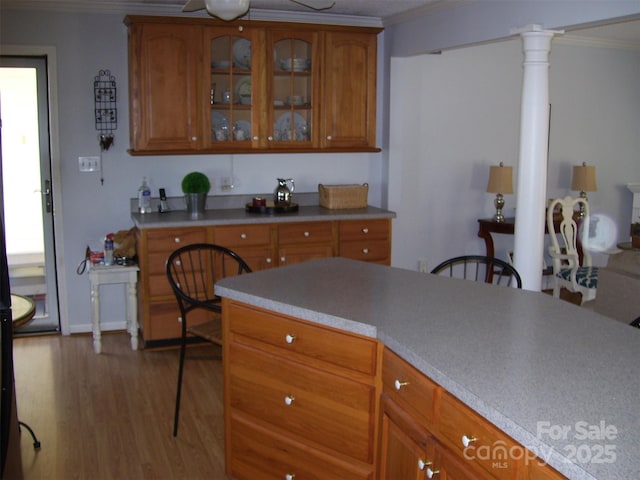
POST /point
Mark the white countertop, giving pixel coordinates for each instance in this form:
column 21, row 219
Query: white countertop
column 523, row 360
column 237, row 216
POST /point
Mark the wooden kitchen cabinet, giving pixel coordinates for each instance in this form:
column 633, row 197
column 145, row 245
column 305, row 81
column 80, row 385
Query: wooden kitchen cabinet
column 164, row 85
column 291, row 87
column 159, row 316
column 254, row 243
column 233, row 100
column 422, row 427
column 349, row 91
column 300, row 385
column 261, row 245
column 366, row 240
column 299, row 242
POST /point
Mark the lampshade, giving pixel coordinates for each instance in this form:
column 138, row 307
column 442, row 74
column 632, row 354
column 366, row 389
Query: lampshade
column 584, row 178
column 500, row 179
column 227, row 9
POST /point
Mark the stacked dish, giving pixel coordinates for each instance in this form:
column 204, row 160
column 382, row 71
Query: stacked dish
column 295, row 64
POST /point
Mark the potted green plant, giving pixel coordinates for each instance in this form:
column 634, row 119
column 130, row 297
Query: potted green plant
column 635, row 235
column 196, row 186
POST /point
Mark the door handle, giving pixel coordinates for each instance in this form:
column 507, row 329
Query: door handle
column 47, row 196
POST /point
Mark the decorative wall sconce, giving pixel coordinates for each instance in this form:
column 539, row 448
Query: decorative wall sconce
column 584, row 180
column 500, row 181
column 105, row 111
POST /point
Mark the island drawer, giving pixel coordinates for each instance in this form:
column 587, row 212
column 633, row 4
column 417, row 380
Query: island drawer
column 306, row 232
column 409, row 388
column 326, row 409
column 316, row 343
column 488, row 447
column 242, row 235
column 259, row 454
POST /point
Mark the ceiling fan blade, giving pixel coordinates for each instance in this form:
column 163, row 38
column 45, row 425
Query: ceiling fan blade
column 193, row 6
column 316, row 4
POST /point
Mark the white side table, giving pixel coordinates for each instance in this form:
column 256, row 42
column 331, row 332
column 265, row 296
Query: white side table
column 114, row 274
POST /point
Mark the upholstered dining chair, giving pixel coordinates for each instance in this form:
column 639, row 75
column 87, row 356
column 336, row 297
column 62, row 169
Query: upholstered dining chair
column 568, row 271
column 193, row 271
column 480, row 268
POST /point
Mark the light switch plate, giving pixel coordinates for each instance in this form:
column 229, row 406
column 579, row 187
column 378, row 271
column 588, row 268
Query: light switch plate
column 89, row 164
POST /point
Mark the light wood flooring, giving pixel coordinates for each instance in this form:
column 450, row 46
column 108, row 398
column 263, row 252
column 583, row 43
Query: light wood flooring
column 110, row 416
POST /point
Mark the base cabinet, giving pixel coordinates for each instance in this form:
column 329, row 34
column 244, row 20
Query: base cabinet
column 262, row 246
column 308, row 391
column 427, row 433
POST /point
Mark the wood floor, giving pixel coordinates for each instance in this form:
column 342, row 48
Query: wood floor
column 110, row 416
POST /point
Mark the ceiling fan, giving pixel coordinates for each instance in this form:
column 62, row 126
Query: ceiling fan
column 232, row 9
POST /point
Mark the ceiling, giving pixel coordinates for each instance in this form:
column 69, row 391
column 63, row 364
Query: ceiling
column 625, row 34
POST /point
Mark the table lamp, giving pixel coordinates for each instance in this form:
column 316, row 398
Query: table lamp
column 500, row 181
column 584, row 180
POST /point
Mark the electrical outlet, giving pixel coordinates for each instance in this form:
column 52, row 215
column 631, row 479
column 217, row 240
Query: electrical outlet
column 422, row 266
column 89, row 164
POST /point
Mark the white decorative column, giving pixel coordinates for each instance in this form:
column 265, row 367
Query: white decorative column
column 532, row 167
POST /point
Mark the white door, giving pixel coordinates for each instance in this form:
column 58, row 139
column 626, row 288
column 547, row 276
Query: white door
column 27, row 200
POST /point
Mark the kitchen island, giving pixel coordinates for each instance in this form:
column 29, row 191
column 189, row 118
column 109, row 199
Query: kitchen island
column 558, row 379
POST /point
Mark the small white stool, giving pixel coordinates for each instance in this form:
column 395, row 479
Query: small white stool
column 113, row 274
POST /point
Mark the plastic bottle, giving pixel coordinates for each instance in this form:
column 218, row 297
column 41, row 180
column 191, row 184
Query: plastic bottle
column 108, row 249
column 144, row 197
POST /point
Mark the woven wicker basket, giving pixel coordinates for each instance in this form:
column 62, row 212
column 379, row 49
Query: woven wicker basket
column 343, row 196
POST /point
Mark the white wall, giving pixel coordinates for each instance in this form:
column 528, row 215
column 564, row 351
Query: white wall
column 453, row 115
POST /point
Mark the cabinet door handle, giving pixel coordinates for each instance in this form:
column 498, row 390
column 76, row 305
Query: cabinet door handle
column 329, row 137
column 365, row 230
column 422, row 464
column 468, row 440
column 283, row 259
column 290, row 338
column 178, row 263
column 243, row 236
column 289, row 476
column 289, row 399
column 431, row 473
column 256, row 138
column 270, row 138
column 365, row 250
column 398, row 384
column 306, row 234
column 193, row 139
column 177, row 240
column 268, row 260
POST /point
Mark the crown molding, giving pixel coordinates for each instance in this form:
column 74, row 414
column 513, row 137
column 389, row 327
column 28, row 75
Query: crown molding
column 429, row 8
column 142, row 8
column 584, row 41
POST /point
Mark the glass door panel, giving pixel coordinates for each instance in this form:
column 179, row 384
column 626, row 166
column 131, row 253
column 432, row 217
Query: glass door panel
column 292, row 90
column 230, row 90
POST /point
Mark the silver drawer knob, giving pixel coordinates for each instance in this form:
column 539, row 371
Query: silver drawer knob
column 365, row 230
column 468, row 440
column 243, row 236
column 365, row 250
column 177, row 240
column 306, row 234
column 290, row 338
column 431, row 473
column 288, row 400
column 398, row 384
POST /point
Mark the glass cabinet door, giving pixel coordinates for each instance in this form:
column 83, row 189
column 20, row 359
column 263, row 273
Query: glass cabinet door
column 293, row 89
column 230, row 88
